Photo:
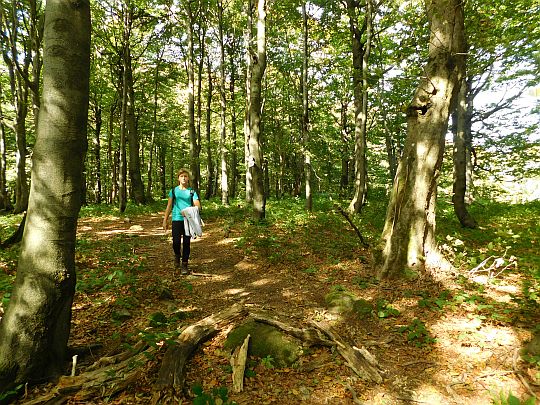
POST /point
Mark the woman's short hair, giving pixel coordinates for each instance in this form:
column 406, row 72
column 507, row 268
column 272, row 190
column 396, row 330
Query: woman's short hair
column 182, row 170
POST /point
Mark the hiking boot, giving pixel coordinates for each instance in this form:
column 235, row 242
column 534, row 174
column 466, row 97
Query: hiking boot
column 185, row 269
column 176, row 262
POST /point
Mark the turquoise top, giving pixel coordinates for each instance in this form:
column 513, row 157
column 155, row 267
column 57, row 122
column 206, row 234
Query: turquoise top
column 182, row 200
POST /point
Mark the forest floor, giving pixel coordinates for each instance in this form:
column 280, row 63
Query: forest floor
column 453, row 356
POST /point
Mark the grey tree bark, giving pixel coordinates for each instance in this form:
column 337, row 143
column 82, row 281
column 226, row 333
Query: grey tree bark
column 129, row 122
column 192, row 131
column 223, row 111
column 209, row 155
column 408, row 238
column 247, row 117
column 305, row 111
column 361, row 51
column 462, row 130
column 255, row 156
column 5, row 203
column 35, row 328
column 135, row 178
column 234, row 151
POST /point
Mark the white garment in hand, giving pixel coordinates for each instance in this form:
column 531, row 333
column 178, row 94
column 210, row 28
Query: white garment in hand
column 192, row 222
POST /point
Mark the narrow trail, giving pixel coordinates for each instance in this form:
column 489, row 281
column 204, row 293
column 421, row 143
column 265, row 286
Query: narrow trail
column 224, row 274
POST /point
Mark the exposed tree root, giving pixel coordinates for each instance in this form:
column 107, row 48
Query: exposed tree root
column 111, row 375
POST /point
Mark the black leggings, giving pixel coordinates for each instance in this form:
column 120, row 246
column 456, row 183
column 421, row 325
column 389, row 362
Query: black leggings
column 178, row 234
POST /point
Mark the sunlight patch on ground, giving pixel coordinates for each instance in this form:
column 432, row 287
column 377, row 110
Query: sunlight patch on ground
column 428, row 394
column 227, row 241
column 473, row 331
column 500, row 288
column 245, row 265
column 240, row 292
column 207, row 261
column 261, row 282
column 210, row 278
column 482, row 360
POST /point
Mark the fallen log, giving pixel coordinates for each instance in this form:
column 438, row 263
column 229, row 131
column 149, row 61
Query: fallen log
column 171, row 376
column 238, row 364
column 118, row 358
column 106, row 377
column 358, row 359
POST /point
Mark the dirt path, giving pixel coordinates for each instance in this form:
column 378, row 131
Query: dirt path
column 470, row 363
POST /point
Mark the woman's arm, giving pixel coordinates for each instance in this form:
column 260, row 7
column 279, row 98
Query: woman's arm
column 167, row 213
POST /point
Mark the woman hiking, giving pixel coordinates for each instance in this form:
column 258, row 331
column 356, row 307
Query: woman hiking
column 180, row 197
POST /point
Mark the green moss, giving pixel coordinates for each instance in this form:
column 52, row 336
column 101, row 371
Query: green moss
column 340, row 302
column 265, row 341
column 362, row 307
column 157, row 319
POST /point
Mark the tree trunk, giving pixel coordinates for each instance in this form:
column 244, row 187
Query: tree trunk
column 97, row 154
column 255, row 160
column 223, row 111
column 122, row 164
column 162, row 152
column 305, row 113
column 20, row 83
column 345, row 154
column 408, row 237
column 36, row 36
column 153, row 137
column 360, row 75
column 35, row 328
column 111, row 161
column 234, row 151
column 136, row 184
column 192, row 132
column 247, row 116
column 389, row 139
column 460, row 159
column 21, row 186
column 209, row 156
column 5, row 203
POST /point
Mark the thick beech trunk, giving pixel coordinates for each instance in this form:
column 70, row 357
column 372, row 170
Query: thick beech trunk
column 408, row 237
column 35, row 328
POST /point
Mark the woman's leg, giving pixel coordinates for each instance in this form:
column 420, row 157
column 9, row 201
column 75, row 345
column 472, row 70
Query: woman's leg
column 186, row 241
column 177, row 232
